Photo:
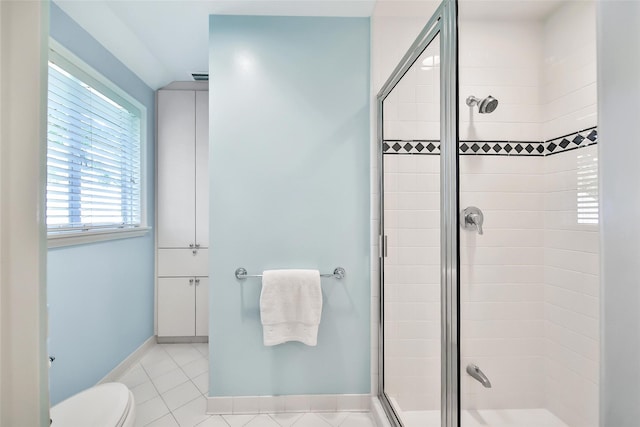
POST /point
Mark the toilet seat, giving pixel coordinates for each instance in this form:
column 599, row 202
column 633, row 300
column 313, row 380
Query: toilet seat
column 105, row 405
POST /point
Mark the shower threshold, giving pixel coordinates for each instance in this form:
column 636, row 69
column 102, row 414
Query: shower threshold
column 486, row 418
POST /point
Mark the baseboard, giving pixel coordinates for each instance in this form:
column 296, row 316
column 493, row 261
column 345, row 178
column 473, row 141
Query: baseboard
column 131, row 359
column 293, row 403
column 182, row 340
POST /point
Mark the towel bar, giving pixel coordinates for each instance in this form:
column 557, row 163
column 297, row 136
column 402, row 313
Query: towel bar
column 338, row 273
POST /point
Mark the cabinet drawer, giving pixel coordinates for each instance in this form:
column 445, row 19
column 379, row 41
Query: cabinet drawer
column 183, row 262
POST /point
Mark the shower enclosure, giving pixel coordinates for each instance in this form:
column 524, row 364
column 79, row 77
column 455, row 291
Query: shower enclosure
column 488, row 221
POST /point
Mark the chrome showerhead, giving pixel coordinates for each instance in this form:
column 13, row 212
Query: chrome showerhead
column 485, row 106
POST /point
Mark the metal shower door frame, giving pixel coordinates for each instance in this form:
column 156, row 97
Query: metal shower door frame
column 444, row 23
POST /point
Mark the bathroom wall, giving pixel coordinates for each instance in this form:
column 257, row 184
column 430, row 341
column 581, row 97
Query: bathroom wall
column 501, row 281
column 618, row 110
column 571, row 254
column 412, row 280
column 502, row 59
column 289, row 189
column 100, row 296
column 568, row 87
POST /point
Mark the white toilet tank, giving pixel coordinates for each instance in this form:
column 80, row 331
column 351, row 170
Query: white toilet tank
column 105, row 405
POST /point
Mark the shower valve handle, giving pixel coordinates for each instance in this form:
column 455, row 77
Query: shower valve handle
column 472, row 219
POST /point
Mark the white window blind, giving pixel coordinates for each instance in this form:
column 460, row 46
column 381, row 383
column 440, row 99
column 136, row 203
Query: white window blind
column 587, row 192
column 93, row 155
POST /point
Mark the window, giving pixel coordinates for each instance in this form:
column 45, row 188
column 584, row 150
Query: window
column 94, row 163
column 587, row 177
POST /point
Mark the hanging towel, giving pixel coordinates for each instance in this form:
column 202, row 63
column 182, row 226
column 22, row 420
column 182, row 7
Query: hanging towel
column 290, row 306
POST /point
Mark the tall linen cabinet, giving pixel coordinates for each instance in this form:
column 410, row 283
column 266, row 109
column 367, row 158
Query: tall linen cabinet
column 182, row 230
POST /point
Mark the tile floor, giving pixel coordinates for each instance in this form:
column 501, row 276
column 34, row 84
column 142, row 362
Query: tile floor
column 170, row 385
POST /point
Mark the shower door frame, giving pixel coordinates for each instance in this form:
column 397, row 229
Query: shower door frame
column 443, row 23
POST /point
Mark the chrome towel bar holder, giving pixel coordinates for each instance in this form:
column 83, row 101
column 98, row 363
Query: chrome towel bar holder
column 338, row 273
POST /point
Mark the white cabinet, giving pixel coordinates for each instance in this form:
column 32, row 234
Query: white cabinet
column 182, row 213
column 183, row 169
column 183, row 309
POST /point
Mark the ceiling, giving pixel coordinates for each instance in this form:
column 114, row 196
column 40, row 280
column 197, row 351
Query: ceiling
column 166, row 40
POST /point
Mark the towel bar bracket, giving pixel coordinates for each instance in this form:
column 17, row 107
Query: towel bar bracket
column 338, row 273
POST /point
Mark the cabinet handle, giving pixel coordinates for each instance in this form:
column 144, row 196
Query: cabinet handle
column 197, row 282
column 197, row 245
column 191, row 245
column 190, row 282
column 195, row 251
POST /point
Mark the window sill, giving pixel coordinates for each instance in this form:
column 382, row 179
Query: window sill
column 83, row 238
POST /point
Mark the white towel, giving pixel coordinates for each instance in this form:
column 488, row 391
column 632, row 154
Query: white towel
column 290, row 306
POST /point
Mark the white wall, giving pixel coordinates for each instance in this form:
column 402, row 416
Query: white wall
column 23, row 372
column 568, row 96
column 571, row 252
column 501, row 282
column 618, row 111
column 501, row 59
column 412, row 280
column 571, row 292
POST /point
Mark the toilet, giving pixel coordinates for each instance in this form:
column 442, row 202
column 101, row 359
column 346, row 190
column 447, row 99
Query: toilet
column 105, row 405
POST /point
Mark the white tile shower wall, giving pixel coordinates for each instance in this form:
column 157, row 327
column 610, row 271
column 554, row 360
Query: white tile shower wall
column 571, row 292
column 501, row 59
column 501, row 289
column 568, row 90
column 509, row 70
column 412, row 281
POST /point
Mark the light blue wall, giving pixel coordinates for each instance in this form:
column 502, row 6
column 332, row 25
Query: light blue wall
column 100, row 296
column 289, row 161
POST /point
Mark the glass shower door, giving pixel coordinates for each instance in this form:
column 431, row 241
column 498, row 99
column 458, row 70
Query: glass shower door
column 411, row 230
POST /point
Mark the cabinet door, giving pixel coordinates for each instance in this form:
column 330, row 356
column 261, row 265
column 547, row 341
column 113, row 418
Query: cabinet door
column 202, row 307
column 176, row 308
column 176, row 171
column 202, row 168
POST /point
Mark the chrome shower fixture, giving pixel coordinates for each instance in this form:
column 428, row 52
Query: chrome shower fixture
column 485, row 106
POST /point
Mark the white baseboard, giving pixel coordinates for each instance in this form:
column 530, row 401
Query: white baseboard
column 131, row 359
column 293, row 403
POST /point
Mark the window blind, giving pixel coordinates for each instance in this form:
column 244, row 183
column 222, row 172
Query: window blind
column 587, row 191
column 93, row 158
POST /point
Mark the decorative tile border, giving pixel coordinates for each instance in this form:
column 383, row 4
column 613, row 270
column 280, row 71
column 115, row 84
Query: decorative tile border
column 579, row 139
column 293, row 403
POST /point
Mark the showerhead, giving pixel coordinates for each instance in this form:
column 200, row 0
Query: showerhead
column 485, row 106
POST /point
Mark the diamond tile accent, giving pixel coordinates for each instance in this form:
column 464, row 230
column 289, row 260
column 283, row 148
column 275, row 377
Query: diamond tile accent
column 572, row 141
column 583, row 138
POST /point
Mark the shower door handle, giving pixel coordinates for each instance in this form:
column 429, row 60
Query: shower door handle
column 472, row 219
